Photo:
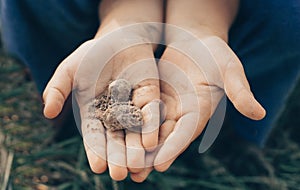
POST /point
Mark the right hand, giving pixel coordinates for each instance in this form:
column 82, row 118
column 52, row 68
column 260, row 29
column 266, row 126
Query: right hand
column 81, row 72
column 194, row 76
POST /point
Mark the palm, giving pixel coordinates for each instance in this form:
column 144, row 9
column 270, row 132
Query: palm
column 89, row 71
column 194, row 79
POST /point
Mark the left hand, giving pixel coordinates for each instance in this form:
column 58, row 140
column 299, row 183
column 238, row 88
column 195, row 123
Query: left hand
column 194, row 77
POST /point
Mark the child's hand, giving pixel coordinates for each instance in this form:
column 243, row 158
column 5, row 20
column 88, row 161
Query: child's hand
column 195, row 72
column 88, row 71
column 194, row 76
column 204, row 70
column 96, row 63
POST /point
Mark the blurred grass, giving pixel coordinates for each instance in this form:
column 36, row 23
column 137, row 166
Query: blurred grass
column 40, row 163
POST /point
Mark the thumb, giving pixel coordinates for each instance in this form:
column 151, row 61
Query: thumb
column 57, row 91
column 60, row 85
column 238, row 90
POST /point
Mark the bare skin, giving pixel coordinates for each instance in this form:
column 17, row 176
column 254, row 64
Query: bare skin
column 106, row 148
column 209, row 21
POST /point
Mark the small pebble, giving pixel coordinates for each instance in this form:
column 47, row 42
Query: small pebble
column 120, row 90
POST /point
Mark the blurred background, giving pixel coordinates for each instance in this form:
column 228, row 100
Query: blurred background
column 31, row 159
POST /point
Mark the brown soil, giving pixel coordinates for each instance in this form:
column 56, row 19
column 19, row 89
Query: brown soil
column 115, row 109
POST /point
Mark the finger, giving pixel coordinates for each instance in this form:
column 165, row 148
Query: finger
column 95, row 144
column 145, row 86
column 116, row 155
column 177, row 141
column 135, row 152
column 192, row 124
column 150, row 129
column 235, row 82
column 146, row 92
column 165, row 165
column 149, row 160
column 238, row 91
column 56, row 92
column 61, row 83
column 146, row 83
column 141, row 176
column 164, row 131
column 146, row 95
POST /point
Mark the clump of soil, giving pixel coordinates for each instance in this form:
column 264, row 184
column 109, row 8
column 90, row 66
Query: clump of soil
column 115, row 109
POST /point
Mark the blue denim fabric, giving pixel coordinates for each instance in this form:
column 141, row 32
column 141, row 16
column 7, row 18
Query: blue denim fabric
column 42, row 33
column 265, row 36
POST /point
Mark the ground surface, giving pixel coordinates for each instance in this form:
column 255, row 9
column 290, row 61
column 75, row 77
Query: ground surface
column 31, row 160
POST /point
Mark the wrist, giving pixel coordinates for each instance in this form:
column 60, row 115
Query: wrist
column 196, row 31
column 203, row 18
column 119, row 13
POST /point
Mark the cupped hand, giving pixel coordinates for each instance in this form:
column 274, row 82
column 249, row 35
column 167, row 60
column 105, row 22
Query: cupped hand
column 204, row 69
column 194, row 76
column 88, row 71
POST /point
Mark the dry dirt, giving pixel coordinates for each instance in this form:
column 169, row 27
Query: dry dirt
column 114, row 107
